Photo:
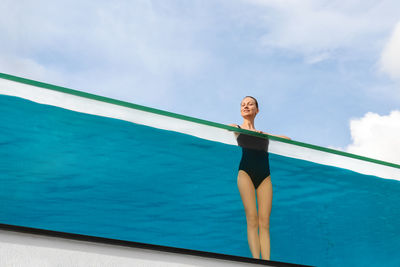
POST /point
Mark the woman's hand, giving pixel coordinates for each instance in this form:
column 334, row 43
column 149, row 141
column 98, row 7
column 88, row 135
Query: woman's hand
column 234, row 125
column 281, row 136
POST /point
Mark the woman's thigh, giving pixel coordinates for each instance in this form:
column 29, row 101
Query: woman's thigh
column 264, row 198
column 246, row 189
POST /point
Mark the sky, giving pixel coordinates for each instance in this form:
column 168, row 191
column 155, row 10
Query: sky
column 324, row 72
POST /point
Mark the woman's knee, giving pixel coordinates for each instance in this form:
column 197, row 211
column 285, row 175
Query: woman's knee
column 252, row 220
column 263, row 222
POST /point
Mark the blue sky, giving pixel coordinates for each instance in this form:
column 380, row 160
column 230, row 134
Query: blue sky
column 314, row 66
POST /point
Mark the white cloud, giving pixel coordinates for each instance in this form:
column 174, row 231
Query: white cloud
column 313, row 27
column 313, row 59
column 390, row 58
column 131, row 50
column 152, row 42
column 376, row 136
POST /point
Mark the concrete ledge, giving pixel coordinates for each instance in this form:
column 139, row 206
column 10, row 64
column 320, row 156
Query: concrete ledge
column 21, row 246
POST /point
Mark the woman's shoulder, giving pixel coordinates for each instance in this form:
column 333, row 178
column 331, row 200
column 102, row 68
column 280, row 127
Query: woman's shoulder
column 237, row 126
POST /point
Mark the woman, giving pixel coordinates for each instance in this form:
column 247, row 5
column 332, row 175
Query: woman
column 253, row 175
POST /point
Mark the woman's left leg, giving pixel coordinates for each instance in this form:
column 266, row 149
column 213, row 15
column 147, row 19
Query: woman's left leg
column 264, row 199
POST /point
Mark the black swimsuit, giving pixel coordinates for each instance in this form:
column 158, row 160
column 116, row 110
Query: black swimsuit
column 255, row 159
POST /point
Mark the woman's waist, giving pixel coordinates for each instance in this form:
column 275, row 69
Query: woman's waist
column 251, row 151
column 254, row 155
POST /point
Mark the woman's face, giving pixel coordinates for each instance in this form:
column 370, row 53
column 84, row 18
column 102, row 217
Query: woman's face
column 248, row 108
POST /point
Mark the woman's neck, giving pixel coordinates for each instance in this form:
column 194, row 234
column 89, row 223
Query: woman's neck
column 248, row 124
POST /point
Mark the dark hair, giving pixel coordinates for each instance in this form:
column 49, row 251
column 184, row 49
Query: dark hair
column 252, row 98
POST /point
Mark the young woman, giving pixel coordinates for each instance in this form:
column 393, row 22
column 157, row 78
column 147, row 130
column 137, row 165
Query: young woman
column 253, row 175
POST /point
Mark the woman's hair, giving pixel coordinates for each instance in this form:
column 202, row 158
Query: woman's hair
column 252, row 98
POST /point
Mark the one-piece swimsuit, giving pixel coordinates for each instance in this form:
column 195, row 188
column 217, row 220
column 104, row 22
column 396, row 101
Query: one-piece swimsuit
column 255, row 157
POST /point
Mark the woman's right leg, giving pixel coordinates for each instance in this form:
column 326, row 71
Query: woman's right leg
column 264, row 198
column 247, row 193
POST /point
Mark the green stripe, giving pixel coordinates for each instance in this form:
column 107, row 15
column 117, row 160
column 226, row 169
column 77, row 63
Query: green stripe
column 187, row 118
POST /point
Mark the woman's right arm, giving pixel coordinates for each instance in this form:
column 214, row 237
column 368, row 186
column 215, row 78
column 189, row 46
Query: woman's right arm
column 236, row 126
